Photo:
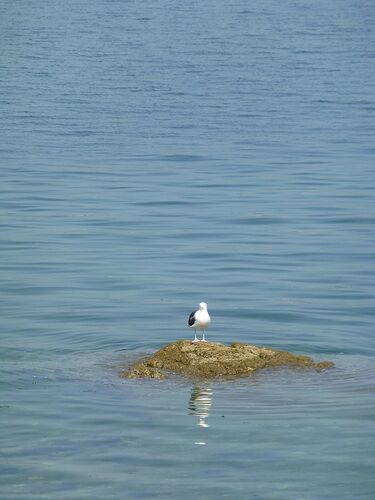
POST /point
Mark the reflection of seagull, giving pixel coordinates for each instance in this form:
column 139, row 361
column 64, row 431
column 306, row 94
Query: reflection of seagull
column 200, row 403
column 199, row 320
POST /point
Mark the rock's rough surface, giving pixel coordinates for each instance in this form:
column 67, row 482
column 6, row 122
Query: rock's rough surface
column 210, row 360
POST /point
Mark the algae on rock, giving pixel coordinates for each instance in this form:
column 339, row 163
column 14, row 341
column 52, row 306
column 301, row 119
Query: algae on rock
column 209, row 360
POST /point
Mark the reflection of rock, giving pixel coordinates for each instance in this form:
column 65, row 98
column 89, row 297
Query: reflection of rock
column 209, row 360
column 200, row 403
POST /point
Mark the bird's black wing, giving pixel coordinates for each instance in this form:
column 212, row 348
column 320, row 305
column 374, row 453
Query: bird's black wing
column 191, row 320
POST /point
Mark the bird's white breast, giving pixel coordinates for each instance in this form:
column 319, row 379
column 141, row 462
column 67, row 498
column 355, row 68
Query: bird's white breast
column 202, row 319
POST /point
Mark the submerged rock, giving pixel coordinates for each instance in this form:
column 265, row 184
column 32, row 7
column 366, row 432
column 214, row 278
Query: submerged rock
column 210, row 360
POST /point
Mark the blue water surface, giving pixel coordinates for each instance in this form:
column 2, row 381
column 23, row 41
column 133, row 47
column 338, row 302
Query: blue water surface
column 156, row 154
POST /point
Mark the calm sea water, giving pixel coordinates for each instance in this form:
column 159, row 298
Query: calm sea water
column 156, row 154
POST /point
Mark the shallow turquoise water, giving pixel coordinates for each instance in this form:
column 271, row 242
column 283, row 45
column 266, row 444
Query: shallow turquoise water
column 154, row 155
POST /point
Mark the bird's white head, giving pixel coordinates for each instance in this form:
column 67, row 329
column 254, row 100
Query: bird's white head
column 202, row 306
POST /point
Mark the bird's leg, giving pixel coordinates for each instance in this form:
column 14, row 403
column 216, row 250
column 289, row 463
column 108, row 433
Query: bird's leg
column 196, row 340
column 204, row 337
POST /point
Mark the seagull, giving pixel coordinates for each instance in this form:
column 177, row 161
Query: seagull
column 199, row 320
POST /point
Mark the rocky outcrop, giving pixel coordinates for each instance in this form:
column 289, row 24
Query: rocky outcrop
column 211, row 360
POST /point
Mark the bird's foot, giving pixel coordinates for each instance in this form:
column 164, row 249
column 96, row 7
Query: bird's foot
column 203, row 340
column 195, row 341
